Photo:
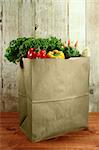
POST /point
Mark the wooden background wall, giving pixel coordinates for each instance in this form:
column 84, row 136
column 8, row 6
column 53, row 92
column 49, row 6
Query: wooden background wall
column 79, row 18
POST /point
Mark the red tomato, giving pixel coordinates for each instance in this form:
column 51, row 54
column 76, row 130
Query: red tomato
column 38, row 55
column 30, row 55
column 42, row 52
column 34, row 54
column 43, row 56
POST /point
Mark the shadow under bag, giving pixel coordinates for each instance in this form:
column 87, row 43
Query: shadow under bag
column 53, row 96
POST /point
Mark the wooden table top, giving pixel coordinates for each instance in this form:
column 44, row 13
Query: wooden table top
column 11, row 138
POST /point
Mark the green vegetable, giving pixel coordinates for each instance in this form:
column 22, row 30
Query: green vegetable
column 12, row 52
column 18, row 48
column 71, row 52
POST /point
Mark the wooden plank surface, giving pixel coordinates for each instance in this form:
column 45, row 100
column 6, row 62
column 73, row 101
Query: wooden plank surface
column 11, row 138
column 77, row 22
column 92, row 36
column 60, row 18
column 51, row 18
column 18, row 20
column 1, row 102
column 26, row 18
column 10, row 32
column 0, row 46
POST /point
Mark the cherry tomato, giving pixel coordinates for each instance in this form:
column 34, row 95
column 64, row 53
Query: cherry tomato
column 43, row 56
column 38, row 55
column 30, row 55
column 34, row 54
column 42, row 52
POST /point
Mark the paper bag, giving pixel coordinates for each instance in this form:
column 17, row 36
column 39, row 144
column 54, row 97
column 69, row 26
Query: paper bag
column 53, row 96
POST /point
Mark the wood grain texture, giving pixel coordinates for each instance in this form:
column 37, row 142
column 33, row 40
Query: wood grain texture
column 0, row 45
column 51, row 18
column 21, row 18
column 18, row 21
column 10, row 32
column 26, row 18
column 92, row 36
column 59, row 17
column 77, row 22
column 42, row 8
column 1, row 102
column 42, row 18
column 11, row 138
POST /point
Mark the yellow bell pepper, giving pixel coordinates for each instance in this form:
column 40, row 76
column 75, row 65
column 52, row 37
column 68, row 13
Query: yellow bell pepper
column 56, row 54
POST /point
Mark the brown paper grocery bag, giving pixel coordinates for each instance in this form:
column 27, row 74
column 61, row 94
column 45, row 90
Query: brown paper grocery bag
column 53, row 96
